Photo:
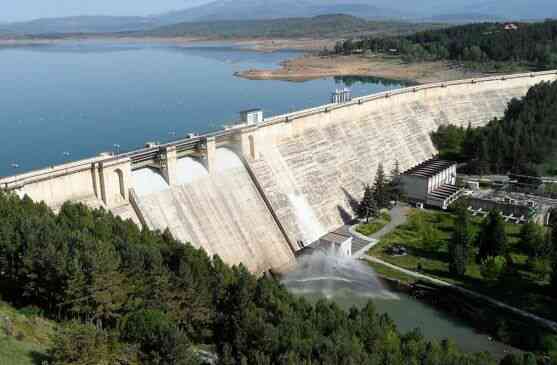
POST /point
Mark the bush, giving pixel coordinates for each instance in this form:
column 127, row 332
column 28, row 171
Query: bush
column 492, row 268
column 430, row 237
column 159, row 339
column 78, row 343
column 549, row 343
column 31, row 311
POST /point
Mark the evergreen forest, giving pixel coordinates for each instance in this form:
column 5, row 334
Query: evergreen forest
column 121, row 295
column 523, row 141
column 488, row 46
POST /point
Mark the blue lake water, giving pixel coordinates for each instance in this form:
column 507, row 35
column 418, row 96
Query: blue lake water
column 83, row 98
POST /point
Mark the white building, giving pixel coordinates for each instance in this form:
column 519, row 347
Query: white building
column 432, row 183
column 340, row 244
column 252, row 116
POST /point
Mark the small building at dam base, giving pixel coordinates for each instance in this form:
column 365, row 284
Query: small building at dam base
column 253, row 191
column 431, row 183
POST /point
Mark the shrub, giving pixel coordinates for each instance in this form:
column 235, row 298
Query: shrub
column 492, row 268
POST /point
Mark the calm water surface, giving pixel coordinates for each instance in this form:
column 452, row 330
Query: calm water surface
column 350, row 282
column 83, row 98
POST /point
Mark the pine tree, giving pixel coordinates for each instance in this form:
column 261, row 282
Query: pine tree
column 532, row 239
column 554, row 255
column 368, row 205
column 492, row 238
column 380, row 188
column 483, row 166
column 395, row 184
column 460, row 242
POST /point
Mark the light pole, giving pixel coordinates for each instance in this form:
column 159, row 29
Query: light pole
column 117, row 148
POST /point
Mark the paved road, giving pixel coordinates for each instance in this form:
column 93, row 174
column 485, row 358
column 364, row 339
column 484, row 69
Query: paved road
column 361, row 244
column 399, row 216
column 542, row 321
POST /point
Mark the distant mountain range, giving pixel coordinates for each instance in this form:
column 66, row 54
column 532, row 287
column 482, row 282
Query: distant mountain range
column 321, row 26
column 408, row 10
column 274, row 9
column 80, row 24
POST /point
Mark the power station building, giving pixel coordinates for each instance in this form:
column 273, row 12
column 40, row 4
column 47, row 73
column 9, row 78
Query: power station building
column 432, row 183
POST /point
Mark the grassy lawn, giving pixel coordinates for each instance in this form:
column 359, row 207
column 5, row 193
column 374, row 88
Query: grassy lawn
column 523, row 290
column 375, row 225
column 24, row 339
column 387, row 272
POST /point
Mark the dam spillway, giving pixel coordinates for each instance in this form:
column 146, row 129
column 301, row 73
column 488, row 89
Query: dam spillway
column 255, row 192
column 220, row 211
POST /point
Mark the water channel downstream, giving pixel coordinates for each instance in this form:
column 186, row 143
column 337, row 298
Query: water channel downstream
column 349, row 282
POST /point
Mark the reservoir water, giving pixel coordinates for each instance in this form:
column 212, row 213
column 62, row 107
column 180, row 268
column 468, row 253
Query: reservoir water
column 352, row 283
column 68, row 101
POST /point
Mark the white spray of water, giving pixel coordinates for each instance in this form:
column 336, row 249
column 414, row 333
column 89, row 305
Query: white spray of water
column 226, row 159
column 189, row 169
column 329, row 273
column 308, row 224
column 148, row 181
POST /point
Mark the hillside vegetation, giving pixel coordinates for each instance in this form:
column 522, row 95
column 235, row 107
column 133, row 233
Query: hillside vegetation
column 324, row 26
column 523, row 141
column 126, row 296
column 486, row 46
column 24, row 336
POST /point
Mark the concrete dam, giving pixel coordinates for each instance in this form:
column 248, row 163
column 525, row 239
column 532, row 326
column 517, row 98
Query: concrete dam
column 257, row 192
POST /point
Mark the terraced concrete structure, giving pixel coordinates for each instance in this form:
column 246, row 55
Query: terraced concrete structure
column 255, row 193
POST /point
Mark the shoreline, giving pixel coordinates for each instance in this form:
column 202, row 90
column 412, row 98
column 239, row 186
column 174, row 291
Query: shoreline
column 263, row 45
column 309, row 66
column 313, row 67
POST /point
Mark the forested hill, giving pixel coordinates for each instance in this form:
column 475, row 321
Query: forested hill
column 323, row 26
column 496, row 44
column 523, row 141
column 125, row 296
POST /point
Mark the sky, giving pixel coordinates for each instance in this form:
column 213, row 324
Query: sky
column 17, row 10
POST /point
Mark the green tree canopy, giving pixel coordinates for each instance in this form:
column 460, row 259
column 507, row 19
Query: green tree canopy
column 460, row 242
column 492, row 239
column 368, row 206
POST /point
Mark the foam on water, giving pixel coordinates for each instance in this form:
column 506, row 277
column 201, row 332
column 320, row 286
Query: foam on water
column 308, row 224
column 226, row 159
column 148, row 181
column 329, row 273
column 189, row 169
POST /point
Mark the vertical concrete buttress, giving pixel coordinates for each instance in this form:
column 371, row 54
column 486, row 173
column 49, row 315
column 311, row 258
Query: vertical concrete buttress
column 248, row 142
column 169, row 160
column 114, row 177
column 211, row 151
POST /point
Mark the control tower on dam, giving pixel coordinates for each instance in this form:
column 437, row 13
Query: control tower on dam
column 258, row 191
